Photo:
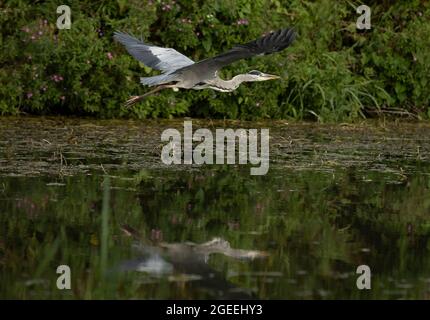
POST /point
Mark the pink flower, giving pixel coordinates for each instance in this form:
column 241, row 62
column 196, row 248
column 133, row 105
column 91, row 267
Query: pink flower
column 242, row 22
column 56, row 78
column 62, row 98
column 109, row 55
column 29, row 95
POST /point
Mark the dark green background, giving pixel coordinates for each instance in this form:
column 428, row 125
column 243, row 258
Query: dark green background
column 333, row 72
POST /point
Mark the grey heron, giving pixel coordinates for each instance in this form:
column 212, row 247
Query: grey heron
column 179, row 71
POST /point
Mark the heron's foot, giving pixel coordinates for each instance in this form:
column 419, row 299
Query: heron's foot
column 133, row 100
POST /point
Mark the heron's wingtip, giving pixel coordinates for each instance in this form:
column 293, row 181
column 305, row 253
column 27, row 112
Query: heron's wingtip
column 123, row 37
column 117, row 35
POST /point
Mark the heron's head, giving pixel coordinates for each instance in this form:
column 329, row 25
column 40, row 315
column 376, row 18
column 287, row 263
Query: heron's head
column 256, row 75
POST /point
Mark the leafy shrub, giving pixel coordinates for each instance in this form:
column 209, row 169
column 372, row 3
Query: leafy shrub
column 332, row 72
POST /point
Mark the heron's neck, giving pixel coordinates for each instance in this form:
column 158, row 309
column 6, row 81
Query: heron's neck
column 228, row 85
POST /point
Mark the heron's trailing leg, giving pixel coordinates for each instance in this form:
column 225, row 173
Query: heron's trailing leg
column 135, row 99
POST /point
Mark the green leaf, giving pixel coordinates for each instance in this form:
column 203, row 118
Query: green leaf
column 207, row 44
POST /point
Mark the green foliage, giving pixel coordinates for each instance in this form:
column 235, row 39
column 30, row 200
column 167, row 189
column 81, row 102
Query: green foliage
column 332, row 72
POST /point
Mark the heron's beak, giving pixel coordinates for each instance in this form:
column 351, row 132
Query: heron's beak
column 267, row 76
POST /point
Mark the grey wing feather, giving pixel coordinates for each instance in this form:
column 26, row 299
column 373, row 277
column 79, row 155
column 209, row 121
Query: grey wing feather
column 156, row 80
column 164, row 59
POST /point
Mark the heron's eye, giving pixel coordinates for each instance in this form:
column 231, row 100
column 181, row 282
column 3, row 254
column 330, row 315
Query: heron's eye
column 255, row 72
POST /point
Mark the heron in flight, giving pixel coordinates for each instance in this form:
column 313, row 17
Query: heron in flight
column 179, row 71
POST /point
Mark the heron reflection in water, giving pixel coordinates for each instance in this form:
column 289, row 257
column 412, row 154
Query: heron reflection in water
column 189, row 262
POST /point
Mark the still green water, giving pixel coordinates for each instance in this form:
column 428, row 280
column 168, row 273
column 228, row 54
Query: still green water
column 95, row 196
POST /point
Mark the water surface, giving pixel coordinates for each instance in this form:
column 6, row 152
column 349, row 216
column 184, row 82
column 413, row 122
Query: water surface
column 95, row 196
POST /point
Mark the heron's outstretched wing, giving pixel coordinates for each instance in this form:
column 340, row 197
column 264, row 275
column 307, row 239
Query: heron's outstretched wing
column 270, row 43
column 164, row 59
